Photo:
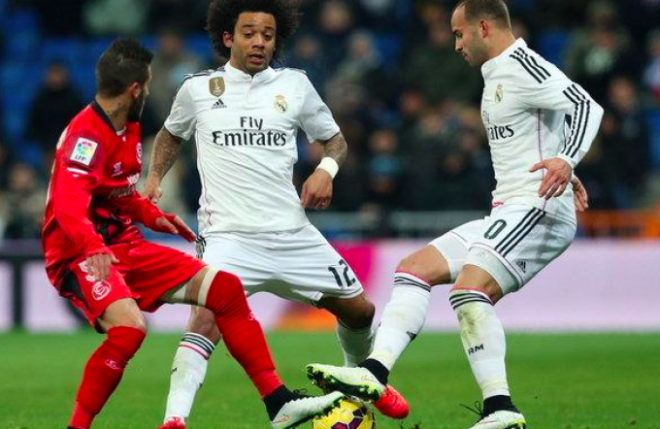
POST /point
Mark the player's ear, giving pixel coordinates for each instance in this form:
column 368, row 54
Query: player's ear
column 228, row 39
column 484, row 28
column 135, row 90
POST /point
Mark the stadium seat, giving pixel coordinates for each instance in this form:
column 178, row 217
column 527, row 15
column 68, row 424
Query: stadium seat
column 82, row 77
column 68, row 50
column 551, row 45
column 95, row 47
column 13, row 123
column 22, row 25
column 150, row 42
column 389, row 46
column 19, row 81
column 653, row 119
column 30, row 153
column 200, row 45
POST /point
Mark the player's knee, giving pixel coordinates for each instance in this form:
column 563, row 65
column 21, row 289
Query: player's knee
column 473, row 278
column 360, row 316
column 202, row 322
column 408, row 264
column 126, row 314
column 413, row 265
column 221, row 292
column 432, row 270
column 137, row 322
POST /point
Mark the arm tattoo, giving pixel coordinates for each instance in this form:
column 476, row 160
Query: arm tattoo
column 336, row 148
column 166, row 150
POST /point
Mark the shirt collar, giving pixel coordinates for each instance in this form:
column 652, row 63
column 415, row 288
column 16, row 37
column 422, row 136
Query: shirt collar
column 101, row 114
column 235, row 73
column 490, row 65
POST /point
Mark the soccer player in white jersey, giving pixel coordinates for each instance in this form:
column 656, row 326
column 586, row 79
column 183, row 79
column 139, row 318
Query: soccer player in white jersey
column 245, row 118
column 535, row 148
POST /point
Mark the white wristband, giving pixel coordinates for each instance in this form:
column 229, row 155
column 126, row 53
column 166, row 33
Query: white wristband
column 330, row 165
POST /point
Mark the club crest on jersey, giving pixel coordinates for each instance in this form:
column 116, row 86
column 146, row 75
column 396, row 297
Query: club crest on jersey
column 217, row 86
column 100, row 290
column 280, row 104
column 116, row 169
column 83, row 151
column 499, row 94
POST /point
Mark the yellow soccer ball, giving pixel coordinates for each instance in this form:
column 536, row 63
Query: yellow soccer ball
column 350, row 414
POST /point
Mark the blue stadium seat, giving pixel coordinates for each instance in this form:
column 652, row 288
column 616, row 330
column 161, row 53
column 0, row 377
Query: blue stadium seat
column 30, row 153
column 23, row 46
column 200, row 45
column 95, row 47
column 21, row 19
column 149, row 42
column 19, row 79
column 653, row 119
column 69, row 50
column 551, row 45
column 83, row 78
column 13, row 122
column 22, row 34
column 389, row 46
column 523, row 4
column 19, row 83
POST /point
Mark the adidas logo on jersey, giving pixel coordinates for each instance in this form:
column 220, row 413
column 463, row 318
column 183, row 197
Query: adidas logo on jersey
column 219, row 104
column 522, row 265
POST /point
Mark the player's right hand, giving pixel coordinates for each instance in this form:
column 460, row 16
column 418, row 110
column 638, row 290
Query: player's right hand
column 99, row 265
column 152, row 190
column 556, row 178
column 174, row 225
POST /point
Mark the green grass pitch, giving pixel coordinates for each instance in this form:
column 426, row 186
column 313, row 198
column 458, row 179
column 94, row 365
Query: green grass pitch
column 580, row 381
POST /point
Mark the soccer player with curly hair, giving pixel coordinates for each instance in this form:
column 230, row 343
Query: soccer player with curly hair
column 245, row 118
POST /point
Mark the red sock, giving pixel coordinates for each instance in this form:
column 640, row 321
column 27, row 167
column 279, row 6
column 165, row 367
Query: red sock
column 103, row 373
column 241, row 332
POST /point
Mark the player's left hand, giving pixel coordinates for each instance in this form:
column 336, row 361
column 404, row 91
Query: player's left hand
column 317, row 191
column 557, row 177
column 580, row 195
column 174, row 225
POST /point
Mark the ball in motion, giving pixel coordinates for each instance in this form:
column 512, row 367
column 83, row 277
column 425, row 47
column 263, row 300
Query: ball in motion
column 350, row 414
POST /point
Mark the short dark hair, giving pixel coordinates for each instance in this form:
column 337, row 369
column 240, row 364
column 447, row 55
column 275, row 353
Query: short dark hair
column 495, row 10
column 126, row 61
column 223, row 16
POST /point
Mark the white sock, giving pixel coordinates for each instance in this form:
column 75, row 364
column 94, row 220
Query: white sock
column 355, row 343
column 403, row 318
column 188, row 373
column 483, row 340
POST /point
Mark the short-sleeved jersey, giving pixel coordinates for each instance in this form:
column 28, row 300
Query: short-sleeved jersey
column 92, row 200
column 246, row 129
column 531, row 112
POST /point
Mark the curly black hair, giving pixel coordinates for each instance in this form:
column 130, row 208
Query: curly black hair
column 223, row 15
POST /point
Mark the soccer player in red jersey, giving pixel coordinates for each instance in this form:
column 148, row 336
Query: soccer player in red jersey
column 97, row 258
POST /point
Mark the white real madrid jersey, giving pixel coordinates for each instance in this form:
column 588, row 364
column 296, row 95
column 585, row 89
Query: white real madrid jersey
column 532, row 112
column 246, row 128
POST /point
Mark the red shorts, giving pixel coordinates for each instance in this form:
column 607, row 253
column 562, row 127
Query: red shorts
column 145, row 272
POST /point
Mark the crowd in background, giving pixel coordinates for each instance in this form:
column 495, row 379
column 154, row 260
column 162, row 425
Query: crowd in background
column 406, row 102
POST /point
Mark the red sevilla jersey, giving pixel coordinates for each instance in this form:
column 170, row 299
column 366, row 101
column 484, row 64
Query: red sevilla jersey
column 92, row 197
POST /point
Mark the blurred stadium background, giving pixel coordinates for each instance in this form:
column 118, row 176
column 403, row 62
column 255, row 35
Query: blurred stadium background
column 409, row 107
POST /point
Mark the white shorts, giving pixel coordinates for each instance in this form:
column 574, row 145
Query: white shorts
column 513, row 244
column 297, row 265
